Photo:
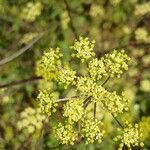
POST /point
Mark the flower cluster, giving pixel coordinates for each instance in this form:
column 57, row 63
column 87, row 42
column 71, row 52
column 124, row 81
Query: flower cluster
column 115, row 2
column 116, row 63
column 130, row 136
column 115, row 103
column 92, row 131
column 112, row 65
column 142, row 36
column 96, row 10
column 142, row 9
column 31, row 11
column 96, row 69
column 65, row 20
column 66, row 134
column 49, row 64
column 85, row 86
column 83, row 49
column 31, row 120
column 47, row 101
column 89, row 89
column 66, row 76
column 74, row 110
column 28, row 37
column 111, row 101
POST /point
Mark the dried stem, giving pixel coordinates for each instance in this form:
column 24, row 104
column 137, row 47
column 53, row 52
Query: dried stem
column 94, row 111
column 14, row 83
column 22, row 50
column 66, row 99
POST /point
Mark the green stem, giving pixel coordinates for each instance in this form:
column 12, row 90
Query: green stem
column 94, row 111
column 87, row 101
column 117, row 121
column 114, row 117
column 105, row 81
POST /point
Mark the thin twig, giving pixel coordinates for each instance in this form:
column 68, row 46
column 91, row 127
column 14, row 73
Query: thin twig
column 94, row 111
column 113, row 115
column 22, row 50
column 87, row 101
column 105, row 81
column 71, row 19
column 66, row 99
column 117, row 121
column 14, row 83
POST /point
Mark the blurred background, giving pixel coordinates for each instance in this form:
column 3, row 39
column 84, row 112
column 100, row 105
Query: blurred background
column 28, row 27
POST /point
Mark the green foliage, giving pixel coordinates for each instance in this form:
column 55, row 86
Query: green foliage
column 75, row 96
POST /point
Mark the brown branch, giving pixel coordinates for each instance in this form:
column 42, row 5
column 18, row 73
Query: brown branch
column 71, row 19
column 15, row 83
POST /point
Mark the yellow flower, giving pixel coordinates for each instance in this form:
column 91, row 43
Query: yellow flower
column 83, row 49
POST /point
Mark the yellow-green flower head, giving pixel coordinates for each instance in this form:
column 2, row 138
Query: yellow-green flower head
column 144, row 125
column 130, row 136
column 83, row 49
column 96, row 69
column 65, row 20
column 85, row 86
column 28, row 37
column 66, row 134
column 142, row 9
column 92, row 131
column 115, row 2
column 142, row 36
column 47, row 101
column 74, row 110
column 114, row 103
column 30, row 120
column 31, row 11
column 66, row 76
column 116, row 63
column 49, row 64
column 88, row 88
column 96, row 10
